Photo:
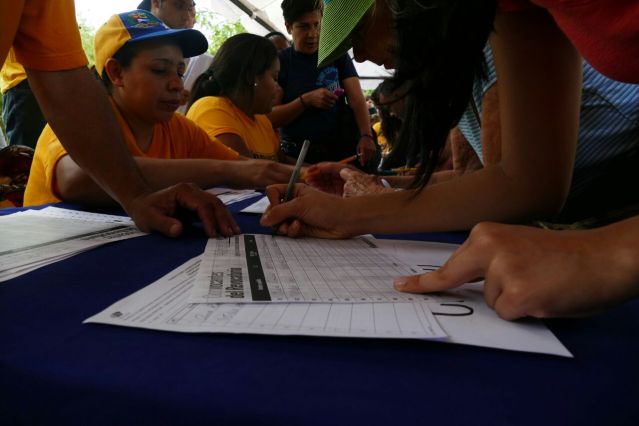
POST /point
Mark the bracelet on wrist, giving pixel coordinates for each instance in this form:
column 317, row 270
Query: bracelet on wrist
column 302, row 102
column 366, row 135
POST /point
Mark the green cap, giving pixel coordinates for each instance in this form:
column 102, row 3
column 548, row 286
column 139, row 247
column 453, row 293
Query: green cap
column 338, row 22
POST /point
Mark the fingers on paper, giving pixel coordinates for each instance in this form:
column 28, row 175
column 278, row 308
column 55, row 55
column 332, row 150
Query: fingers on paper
column 465, row 265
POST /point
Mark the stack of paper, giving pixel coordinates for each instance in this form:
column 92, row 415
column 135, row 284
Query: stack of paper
column 274, row 285
column 230, row 196
column 32, row 239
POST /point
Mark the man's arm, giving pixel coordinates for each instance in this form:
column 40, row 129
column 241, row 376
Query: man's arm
column 77, row 109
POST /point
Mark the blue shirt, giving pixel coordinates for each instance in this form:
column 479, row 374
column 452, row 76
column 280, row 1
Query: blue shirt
column 299, row 74
column 608, row 144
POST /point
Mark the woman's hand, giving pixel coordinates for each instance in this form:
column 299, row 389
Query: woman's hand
column 326, row 177
column 258, row 173
column 310, row 213
column 357, row 183
column 540, row 273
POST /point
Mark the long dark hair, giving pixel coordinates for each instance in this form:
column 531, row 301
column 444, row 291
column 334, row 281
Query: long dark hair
column 439, row 53
column 236, row 65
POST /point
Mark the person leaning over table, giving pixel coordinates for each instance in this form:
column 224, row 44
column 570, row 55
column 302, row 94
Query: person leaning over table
column 45, row 38
column 230, row 100
column 436, row 47
column 312, row 106
column 607, row 146
column 141, row 62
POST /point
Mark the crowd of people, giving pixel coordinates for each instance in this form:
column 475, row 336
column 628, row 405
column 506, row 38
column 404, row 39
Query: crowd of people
column 498, row 114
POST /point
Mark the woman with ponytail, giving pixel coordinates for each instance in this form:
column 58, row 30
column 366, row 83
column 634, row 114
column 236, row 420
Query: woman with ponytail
column 230, row 100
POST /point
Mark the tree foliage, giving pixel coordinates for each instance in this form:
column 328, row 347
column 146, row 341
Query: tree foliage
column 216, row 28
column 87, row 34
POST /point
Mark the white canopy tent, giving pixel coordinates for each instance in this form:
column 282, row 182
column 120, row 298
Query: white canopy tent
column 263, row 16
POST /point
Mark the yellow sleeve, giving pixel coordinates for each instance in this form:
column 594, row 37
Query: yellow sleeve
column 42, row 186
column 200, row 145
column 47, row 36
column 214, row 116
column 12, row 73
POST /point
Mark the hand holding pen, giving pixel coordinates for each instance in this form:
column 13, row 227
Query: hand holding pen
column 296, row 171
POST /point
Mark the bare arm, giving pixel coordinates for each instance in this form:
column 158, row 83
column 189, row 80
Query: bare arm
column 77, row 109
column 539, row 123
column 366, row 146
column 75, row 185
column 236, row 143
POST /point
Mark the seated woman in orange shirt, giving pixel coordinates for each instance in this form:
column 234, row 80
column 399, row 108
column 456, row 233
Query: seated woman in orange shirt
column 141, row 61
column 230, row 100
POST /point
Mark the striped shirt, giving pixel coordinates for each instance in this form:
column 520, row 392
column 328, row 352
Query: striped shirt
column 608, row 138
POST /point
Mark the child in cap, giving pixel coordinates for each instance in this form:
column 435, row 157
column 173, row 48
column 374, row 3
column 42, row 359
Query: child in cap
column 141, row 62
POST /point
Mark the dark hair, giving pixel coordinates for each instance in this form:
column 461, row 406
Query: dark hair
column 124, row 56
column 236, row 64
column 390, row 123
column 294, row 9
column 439, row 53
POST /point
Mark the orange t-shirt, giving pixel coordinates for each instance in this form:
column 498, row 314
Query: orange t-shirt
column 178, row 138
column 44, row 34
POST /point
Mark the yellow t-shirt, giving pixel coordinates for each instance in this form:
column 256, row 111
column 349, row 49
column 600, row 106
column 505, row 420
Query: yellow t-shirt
column 381, row 139
column 177, row 138
column 12, row 73
column 218, row 115
column 44, row 34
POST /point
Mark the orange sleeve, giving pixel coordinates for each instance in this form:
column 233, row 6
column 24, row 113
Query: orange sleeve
column 47, row 37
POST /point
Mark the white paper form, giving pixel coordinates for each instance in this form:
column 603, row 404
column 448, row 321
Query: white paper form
column 463, row 312
column 258, row 207
column 230, row 196
column 35, row 238
column 251, row 268
column 164, row 305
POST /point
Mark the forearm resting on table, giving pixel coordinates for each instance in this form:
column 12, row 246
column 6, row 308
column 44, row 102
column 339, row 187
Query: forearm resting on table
column 619, row 253
column 78, row 110
column 459, row 204
column 76, row 186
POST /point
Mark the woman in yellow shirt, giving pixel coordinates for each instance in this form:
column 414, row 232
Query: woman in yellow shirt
column 141, row 61
column 230, row 100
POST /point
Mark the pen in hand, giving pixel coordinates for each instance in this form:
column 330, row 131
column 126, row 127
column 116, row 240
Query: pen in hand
column 296, row 172
column 294, row 176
